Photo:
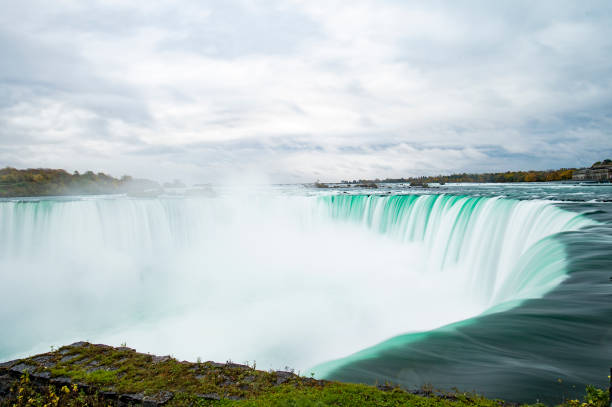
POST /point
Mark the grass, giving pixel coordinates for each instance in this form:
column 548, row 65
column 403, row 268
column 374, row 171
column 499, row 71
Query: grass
column 93, row 369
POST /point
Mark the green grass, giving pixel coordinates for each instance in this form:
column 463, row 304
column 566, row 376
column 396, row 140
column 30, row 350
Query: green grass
column 122, row 370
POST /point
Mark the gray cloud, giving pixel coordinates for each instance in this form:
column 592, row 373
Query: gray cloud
column 303, row 90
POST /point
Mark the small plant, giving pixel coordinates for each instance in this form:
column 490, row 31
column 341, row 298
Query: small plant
column 123, row 344
column 595, row 397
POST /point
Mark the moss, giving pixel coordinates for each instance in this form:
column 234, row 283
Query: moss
column 125, row 371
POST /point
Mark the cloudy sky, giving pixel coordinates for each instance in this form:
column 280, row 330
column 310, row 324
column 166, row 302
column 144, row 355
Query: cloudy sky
column 297, row 90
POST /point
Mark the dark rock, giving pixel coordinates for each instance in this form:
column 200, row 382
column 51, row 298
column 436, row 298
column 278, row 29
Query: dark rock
column 209, row 396
column 384, row 387
column 78, row 345
column 125, row 348
column 7, row 365
column 282, row 376
column 68, row 358
column 160, row 359
column 108, row 394
column 227, row 381
column 42, row 376
column 89, row 389
column 22, row 368
column 236, row 366
column 248, row 379
column 61, row 381
column 6, row 382
column 314, row 382
column 214, row 364
column 81, row 361
column 105, row 368
column 102, row 346
column 233, row 397
column 132, row 398
column 45, row 360
column 158, row 399
column 94, row 366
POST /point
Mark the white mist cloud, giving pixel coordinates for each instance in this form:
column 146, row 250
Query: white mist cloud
column 302, row 90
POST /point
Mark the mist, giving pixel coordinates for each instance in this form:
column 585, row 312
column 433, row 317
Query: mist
column 250, row 275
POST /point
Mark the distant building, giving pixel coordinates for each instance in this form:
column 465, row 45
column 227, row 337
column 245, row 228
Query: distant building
column 599, row 172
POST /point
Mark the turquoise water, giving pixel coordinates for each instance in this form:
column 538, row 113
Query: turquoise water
column 504, row 289
column 502, row 247
column 546, row 347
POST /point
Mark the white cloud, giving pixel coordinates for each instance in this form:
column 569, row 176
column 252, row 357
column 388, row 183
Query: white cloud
column 304, row 89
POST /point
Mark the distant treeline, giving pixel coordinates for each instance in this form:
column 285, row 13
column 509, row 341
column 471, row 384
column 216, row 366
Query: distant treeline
column 509, row 176
column 45, row 182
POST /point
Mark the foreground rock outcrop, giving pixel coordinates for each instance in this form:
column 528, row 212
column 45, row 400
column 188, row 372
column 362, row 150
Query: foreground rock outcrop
column 85, row 374
column 121, row 376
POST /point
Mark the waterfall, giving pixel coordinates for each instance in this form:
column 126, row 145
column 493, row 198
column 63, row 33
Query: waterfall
column 285, row 280
column 502, row 248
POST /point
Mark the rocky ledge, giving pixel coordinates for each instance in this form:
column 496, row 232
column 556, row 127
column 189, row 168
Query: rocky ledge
column 85, row 374
column 123, row 377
